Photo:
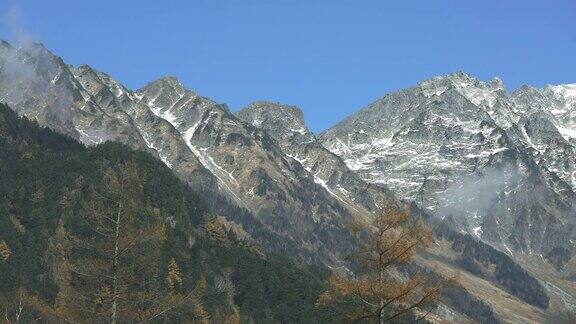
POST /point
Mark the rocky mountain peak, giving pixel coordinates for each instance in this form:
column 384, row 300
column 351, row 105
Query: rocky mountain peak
column 30, row 60
column 496, row 82
column 426, row 142
column 39, row 54
column 282, row 121
column 167, row 84
column 85, row 72
column 34, row 82
column 478, row 92
column 36, row 45
column 564, row 92
column 525, row 89
column 85, row 68
column 168, row 91
column 461, row 77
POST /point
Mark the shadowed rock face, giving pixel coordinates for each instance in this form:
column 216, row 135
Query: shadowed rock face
column 498, row 166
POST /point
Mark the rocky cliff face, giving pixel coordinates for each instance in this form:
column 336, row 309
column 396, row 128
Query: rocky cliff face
column 252, row 168
column 286, row 125
column 41, row 86
column 498, row 166
column 91, row 107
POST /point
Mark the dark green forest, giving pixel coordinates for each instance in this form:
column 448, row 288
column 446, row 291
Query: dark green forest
column 55, row 199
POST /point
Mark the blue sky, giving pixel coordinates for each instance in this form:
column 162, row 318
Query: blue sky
column 330, row 57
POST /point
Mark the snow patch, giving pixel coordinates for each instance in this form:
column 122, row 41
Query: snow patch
column 158, row 150
column 477, row 231
column 508, row 249
column 567, row 133
column 87, row 138
column 330, row 191
column 564, row 92
column 208, row 162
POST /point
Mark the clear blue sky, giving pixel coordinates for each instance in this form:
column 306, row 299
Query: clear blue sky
column 328, row 57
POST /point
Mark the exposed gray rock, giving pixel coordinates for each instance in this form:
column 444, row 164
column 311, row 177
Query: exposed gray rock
column 286, row 125
column 497, row 166
column 253, row 169
column 266, row 191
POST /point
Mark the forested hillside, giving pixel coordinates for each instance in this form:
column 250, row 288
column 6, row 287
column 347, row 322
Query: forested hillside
column 100, row 233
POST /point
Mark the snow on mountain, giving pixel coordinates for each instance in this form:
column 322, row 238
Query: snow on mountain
column 498, row 166
column 473, row 154
column 287, row 126
column 239, row 169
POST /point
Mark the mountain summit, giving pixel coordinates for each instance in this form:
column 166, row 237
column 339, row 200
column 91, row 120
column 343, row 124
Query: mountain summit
column 500, row 166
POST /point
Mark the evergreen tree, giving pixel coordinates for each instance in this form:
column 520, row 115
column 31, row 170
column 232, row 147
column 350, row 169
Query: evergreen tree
column 59, row 208
column 5, row 251
column 174, row 277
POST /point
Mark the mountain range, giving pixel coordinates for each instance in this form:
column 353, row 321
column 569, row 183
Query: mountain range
column 501, row 166
column 494, row 172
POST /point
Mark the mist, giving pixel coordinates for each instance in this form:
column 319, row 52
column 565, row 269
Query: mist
column 11, row 20
column 29, row 76
column 469, row 199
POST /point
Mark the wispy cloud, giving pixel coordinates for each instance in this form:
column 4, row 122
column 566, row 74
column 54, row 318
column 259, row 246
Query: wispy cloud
column 474, row 195
column 12, row 22
column 28, row 74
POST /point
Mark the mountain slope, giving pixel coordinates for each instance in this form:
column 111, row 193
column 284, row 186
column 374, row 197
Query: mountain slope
column 262, row 169
column 250, row 165
column 238, row 169
column 286, row 125
column 40, row 169
column 460, row 147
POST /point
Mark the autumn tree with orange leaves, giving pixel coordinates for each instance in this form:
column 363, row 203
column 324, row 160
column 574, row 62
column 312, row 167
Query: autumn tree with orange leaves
column 379, row 292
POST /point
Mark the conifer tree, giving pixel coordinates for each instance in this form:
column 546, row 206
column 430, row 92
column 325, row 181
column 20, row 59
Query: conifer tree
column 5, row 251
column 174, row 274
column 198, row 301
column 378, row 292
column 215, row 229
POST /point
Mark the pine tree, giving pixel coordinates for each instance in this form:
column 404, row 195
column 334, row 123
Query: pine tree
column 174, row 274
column 198, row 301
column 5, row 251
